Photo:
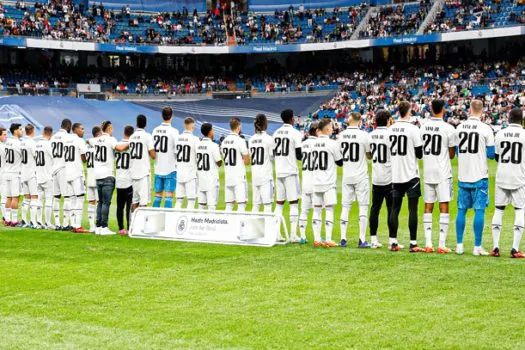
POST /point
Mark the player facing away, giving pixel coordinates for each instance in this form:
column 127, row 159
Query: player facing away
column 405, row 150
column 355, row 147
column 91, row 183
column 164, row 140
column 236, row 157
column 187, row 165
column 123, row 183
column 75, row 154
column 142, row 150
column 439, row 143
column 381, row 174
column 29, row 183
column 3, row 138
column 261, row 153
column 475, row 145
column 326, row 154
column 44, row 178
column 287, row 151
column 307, row 184
column 12, row 175
column 209, row 161
column 510, row 181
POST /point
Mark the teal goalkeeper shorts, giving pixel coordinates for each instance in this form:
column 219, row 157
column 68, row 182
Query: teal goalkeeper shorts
column 473, row 195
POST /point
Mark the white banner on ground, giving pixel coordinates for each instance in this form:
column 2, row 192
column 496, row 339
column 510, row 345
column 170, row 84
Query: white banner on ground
column 89, row 88
column 189, row 225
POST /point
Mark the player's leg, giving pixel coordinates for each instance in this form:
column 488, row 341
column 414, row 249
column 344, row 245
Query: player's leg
column 127, row 210
column 362, row 191
column 316, row 218
column 191, row 193
column 213, row 197
column 8, row 203
column 15, row 192
column 66, row 191
column 329, row 201
column 25, row 205
column 229, row 197
column 280, row 187
column 413, row 194
column 3, row 199
column 169, row 189
column 501, row 199
column 92, row 207
column 121, row 203
column 293, row 193
column 378, row 195
column 181, row 194
column 241, row 196
column 347, row 197
column 49, row 198
column 203, row 199
column 256, row 198
column 34, row 204
column 306, row 205
column 108, row 187
column 266, row 196
column 430, row 197
column 480, row 203
column 446, row 195
column 518, row 201
column 465, row 202
column 158, row 187
column 80, row 194
column 393, row 221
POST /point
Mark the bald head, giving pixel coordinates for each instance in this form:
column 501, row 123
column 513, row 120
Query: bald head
column 476, row 108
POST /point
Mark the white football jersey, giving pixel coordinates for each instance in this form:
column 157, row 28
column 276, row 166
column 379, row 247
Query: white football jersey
column 354, row 143
column 208, row 154
column 104, row 156
column 473, row 139
column 403, row 138
column 90, row 166
column 324, row 155
column 74, row 148
column 308, row 165
column 2, row 158
column 186, row 157
column 122, row 166
column 510, row 147
column 140, row 143
column 164, row 140
column 28, row 158
column 13, row 158
column 286, row 140
column 58, row 141
column 261, row 152
column 381, row 163
column 233, row 148
column 44, row 161
column 437, row 136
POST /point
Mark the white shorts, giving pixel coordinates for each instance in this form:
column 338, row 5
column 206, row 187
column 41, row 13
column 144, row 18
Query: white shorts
column 503, row 197
column 209, row 196
column 263, row 194
column 76, row 187
column 30, row 187
column 288, row 188
column 141, row 191
column 92, row 193
column 60, row 183
column 45, row 191
column 237, row 193
column 12, row 187
column 307, row 201
column 187, row 189
column 442, row 192
column 359, row 191
column 326, row 199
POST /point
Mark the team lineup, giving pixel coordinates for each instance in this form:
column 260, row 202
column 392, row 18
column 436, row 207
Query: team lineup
column 57, row 173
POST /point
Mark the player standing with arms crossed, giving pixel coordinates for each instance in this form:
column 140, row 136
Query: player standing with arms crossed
column 261, row 152
column 307, row 184
column 355, row 147
column 439, row 142
column 405, row 150
column 164, row 139
column 29, row 182
column 475, row 145
column 12, row 175
column 123, row 183
column 510, row 181
column 208, row 162
column 287, row 152
column 92, row 193
column 187, row 165
column 75, row 155
column 44, row 177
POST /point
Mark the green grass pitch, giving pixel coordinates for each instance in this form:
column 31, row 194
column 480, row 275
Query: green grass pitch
column 65, row 290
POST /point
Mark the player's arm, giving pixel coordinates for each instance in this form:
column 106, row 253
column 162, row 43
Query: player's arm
column 368, row 151
column 151, row 148
column 338, row 156
column 121, row 147
column 452, row 143
column 418, row 145
column 83, row 150
column 245, row 154
column 491, row 152
column 217, row 157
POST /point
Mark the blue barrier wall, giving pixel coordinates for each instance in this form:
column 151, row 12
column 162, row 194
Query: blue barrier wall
column 158, row 5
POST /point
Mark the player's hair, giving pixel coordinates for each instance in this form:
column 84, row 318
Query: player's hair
column 105, row 125
column 2, row 131
column 516, row 116
column 66, row 124
column 167, row 113
column 404, row 108
column 14, row 127
column 314, row 127
column 206, row 129
column 260, row 123
column 382, row 117
column 129, row 130
column 476, row 106
column 324, row 122
column 141, row 121
column 29, row 129
column 287, row 116
column 234, row 123
column 189, row 120
column 76, row 126
column 355, row 116
column 96, row 130
column 49, row 130
column 437, row 106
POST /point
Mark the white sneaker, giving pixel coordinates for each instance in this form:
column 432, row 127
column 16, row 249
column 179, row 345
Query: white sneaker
column 105, row 231
column 93, row 230
column 294, row 239
column 376, row 245
column 460, row 250
column 97, row 230
column 49, row 227
column 479, row 251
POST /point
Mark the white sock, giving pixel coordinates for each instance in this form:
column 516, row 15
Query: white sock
column 518, row 228
column 267, row 208
column 212, row 207
column 2, row 206
column 56, row 211
column 7, row 214
column 25, row 209
column 14, row 215
column 241, row 207
column 303, row 222
column 345, row 211
column 39, row 217
column 255, row 208
column 316, row 223
column 33, row 207
column 427, row 225
column 178, row 203
column 66, row 212
column 363, row 220
column 79, row 211
column 444, row 219
column 229, row 207
column 191, row 203
column 497, row 221
column 49, row 213
column 374, row 239
column 92, row 213
column 329, row 222
column 294, row 218
column 278, row 209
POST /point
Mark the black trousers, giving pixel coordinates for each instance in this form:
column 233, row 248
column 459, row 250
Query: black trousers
column 124, row 197
column 412, row 189
column 380, row 194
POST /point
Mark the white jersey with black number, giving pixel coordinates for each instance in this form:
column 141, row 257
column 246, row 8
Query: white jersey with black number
column 74, row 148
column 123, row 168
column 261, row 153
column 286, row 140
column 473, row 137
column 104, row 156
column 90, row 166
column 165, row 141
column 13, row 158
column 57, row 144
column 186, row 157
column 208, row 154
column 437, row 136
column 28, row 159
column 354, row 143
column 381, row 163
column 325, row 154
column 44, row 161
column 403, row 138
column 233, row 149
column 140, row 143
column 510, row 148
column 307, row 148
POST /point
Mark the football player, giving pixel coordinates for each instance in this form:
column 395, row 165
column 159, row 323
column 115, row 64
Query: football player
column 187, row 165
column 208, row 163
column 307, row 184
column 12, row 174
column 123, row 183
column 29, row 182
column 44, row 177
column 92, row 193
column 261, row 152
column 75, row 149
